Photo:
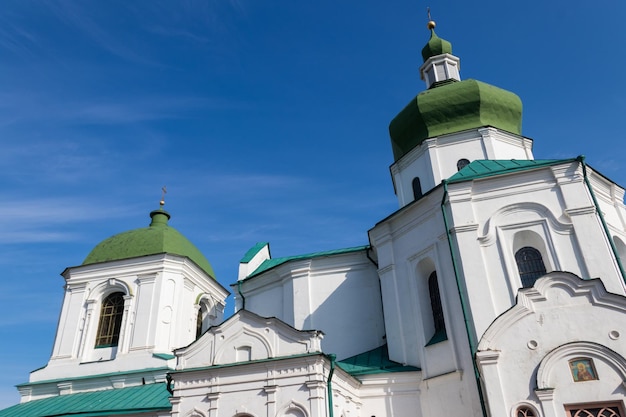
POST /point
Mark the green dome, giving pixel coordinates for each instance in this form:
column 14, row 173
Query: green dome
column 436, row 46
column 154, row 239
column 454, row 107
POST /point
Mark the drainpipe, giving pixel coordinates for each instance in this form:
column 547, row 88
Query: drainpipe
column 329, row 386
column 468, row 325
column 581, row 159
column 243, row 299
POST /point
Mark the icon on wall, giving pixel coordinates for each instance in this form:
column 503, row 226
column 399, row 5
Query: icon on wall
column 582, row 369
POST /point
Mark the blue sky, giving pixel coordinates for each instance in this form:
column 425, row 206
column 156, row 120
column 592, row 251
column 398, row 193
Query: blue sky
column 267, row 121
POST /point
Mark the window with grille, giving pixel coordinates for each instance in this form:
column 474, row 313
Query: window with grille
column 435, row 304
column 595, row 410
column 530, row 265
column 110, row 320
column 525, row 411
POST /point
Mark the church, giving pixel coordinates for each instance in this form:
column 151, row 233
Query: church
column 497, row 288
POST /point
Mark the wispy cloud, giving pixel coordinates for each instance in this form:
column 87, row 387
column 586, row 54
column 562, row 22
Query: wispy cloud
column 46, row 219
column 26, row 107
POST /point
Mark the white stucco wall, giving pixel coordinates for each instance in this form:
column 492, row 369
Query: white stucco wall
column 337, row 294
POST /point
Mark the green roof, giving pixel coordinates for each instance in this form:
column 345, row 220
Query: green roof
column 375, row 361
column 436, row 46
column 253, row 251
column 133, row 400
column 274, row 262
column 157, row 238
column 453, row 107
column 483, row 168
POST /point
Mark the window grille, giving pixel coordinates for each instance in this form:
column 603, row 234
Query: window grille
column 110, row 320
column 593, row 410
column 525, row 412
column 530, row 265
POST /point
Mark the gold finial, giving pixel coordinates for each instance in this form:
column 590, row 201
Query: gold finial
column 163, row 192
column 431, row 23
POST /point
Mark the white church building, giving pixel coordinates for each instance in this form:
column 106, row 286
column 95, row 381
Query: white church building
column 497, row 289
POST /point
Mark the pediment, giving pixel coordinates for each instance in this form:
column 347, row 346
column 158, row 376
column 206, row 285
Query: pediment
column 560, row 308
column 247, row 337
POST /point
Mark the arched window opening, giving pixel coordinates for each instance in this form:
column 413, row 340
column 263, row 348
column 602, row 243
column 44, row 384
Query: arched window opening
column 204, row 318
column 110, row 324
column 525, row 411
column 462, row 163
column 530, row 265
column 199, row 320
column 417, row 188
column 437, row 309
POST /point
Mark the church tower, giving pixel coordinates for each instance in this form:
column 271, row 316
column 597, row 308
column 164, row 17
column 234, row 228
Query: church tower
column 452, row 122
column 137, row 296
column 484, row 236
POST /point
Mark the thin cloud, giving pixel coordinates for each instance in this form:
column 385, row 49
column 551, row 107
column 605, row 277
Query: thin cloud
column 43, row 107
column 82, row 18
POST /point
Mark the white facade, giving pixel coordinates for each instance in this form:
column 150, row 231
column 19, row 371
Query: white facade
column 496, row 290
column 162, row 296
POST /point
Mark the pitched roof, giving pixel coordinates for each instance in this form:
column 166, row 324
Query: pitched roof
column 375, row 361
column 132, row 400
column 274, row 262
column 484, row 168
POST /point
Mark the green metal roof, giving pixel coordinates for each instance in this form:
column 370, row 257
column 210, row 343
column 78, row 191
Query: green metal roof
column 133, row 400
column 157, row 238
column 375, row 361
column 161, row 370
column 436, row 46
column 483, row 168
column 453, row 107
column 274, row 262
column 253, row 251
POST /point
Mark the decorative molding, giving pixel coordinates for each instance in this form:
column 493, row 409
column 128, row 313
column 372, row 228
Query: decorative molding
column 488, row 357
column 579, row 211
column 529, row 298
column 472, row 227
column 575, row 349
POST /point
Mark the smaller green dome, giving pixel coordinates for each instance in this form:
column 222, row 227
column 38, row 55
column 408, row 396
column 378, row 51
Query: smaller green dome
column 157, row 238
column 436, row 46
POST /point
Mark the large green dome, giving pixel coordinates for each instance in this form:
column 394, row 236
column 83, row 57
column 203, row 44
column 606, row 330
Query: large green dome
column 157, row 238
column 453, row 107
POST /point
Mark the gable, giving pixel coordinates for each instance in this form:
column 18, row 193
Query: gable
column 246, row 337
column 553, row 312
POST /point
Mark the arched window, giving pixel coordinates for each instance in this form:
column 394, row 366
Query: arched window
column 199, row 320
column 462, row 163
column 417, row 188
column 204, row 318
column 437, row 308
column 530, row 265
column 525, row 411
column 110, row 320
